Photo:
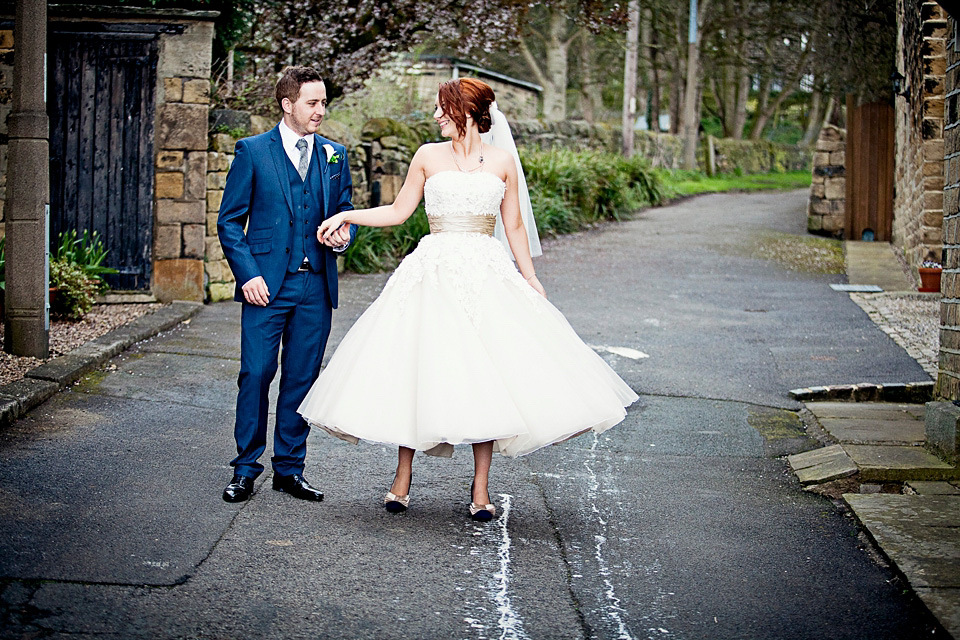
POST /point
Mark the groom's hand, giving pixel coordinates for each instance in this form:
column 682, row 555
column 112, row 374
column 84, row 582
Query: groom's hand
column 340, row 237
column 255, row 291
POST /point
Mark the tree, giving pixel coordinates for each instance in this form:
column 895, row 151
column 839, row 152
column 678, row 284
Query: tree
column 546, row 34
column 348, row 40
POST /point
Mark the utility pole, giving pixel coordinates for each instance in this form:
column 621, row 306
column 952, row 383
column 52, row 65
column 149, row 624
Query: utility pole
column 630, row 76
column 691, row 121
column 26, row 329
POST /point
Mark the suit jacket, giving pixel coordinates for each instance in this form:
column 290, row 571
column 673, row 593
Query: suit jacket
column 258, row 198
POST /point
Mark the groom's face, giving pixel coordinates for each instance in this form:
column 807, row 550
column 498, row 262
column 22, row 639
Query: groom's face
column 305, row 115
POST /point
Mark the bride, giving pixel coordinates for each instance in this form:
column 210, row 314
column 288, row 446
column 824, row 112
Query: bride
column 459, row 347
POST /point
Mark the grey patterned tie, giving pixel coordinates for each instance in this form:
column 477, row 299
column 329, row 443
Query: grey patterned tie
column 302, row 167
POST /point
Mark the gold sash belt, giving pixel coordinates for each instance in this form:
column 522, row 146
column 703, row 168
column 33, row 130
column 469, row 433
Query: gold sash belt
column 462, row 224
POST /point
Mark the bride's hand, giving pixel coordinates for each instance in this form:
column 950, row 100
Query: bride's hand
column 328, row 226
column 535, row 283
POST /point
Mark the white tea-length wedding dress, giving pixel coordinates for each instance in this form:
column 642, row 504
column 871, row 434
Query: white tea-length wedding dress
column 458, row 348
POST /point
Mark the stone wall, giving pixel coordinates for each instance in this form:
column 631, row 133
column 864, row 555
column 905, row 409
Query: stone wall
column 826, row 210
column 919, row 132
column 948, row 381
column 750, row 156
column 663, row 149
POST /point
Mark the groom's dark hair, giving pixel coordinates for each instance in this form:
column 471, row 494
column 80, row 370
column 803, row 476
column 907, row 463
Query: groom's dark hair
column 291, row 79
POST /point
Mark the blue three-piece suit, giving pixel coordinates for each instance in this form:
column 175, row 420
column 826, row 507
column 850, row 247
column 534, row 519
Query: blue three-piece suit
column 268, row 227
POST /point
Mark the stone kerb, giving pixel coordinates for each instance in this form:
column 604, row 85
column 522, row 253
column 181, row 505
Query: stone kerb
column 826, row 206
column 182, row 163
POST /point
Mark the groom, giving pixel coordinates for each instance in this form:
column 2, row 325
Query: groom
column 281, row 186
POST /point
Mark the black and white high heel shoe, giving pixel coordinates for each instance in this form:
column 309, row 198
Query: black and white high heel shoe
column 481, row 512
column 394, row 503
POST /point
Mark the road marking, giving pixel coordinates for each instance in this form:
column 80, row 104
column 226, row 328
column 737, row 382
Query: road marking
column 625, row 352
column 497, row 586
column 510, row 623
column 613, row 607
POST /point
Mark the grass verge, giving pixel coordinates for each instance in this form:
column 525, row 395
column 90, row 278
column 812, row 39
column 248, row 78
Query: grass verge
column 681, row 182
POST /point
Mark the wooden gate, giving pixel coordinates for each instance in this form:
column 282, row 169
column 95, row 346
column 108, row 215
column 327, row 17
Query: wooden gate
column 869, row 171
column 101, row 107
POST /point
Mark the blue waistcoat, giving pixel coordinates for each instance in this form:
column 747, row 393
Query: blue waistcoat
column 307, row 206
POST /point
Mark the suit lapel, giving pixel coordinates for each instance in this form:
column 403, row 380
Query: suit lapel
column 321, row 158
column 279, row 160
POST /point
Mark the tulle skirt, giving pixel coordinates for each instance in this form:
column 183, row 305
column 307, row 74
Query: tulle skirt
column 458, row 349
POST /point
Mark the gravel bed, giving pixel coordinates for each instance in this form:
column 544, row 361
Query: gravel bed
column 66, row 335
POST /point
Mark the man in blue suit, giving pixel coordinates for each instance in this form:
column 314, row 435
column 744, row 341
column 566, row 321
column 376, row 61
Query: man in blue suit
column 281, row 186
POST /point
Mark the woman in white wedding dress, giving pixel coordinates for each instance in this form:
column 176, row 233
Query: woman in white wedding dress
column 460, row 347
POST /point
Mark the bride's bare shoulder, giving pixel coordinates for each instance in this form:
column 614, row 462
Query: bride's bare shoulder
column 433, row 149
column 499, row 160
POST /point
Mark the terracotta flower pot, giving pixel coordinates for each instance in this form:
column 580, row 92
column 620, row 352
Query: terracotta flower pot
column 930, row 279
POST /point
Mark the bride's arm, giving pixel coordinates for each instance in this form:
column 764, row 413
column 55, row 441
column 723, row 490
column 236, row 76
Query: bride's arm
column 515, row 231
column 387, row 215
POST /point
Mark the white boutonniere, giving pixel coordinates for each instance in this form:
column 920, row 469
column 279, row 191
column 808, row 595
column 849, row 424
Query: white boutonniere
column 332, row 156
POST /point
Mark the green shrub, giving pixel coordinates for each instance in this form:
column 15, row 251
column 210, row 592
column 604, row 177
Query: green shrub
column 76, row 271
column 86, row 251
column 76, row 291
column 569, row 190
column 594, row 186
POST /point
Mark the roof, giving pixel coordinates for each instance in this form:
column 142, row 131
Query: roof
column 457, row 64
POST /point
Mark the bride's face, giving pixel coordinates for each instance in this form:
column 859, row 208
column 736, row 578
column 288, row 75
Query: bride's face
column 447, row 127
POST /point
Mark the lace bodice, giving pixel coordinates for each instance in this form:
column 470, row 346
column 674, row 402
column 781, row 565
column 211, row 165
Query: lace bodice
column 454, row 193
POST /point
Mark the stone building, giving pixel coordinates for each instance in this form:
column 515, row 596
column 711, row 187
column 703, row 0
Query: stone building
column 128, row 101
column 518, row 98
column 918, row 206
column 928, row 184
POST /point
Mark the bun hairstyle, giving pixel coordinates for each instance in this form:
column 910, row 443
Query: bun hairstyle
column 467, row 96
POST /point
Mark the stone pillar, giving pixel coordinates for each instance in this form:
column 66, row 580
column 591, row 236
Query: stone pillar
column 181, row 164
column 28, row 189
column 826, row 206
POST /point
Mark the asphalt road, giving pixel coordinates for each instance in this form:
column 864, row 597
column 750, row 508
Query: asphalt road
column 682, row 522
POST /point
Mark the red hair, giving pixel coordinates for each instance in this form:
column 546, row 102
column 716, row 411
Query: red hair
column 466, row 96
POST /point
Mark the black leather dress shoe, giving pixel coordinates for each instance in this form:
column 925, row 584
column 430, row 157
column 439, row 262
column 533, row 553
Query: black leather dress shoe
column 297, row 486
column 239, row 489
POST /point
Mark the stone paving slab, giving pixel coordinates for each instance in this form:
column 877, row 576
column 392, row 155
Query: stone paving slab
column 875, row 263
column 921, row 536
column 881, row 463
column 873, row 410
column 822, row 465
column 945, row 605
column 905, row 430
column 927, row 488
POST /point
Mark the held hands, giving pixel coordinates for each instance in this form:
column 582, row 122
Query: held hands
column 334, row 232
